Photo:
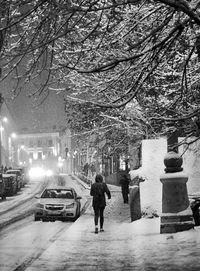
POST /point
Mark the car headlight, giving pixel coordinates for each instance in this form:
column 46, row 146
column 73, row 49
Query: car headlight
column 70, row 206
column 39, row 205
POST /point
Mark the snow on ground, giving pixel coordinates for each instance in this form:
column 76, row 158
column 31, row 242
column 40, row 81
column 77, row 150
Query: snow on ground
column 124, row 245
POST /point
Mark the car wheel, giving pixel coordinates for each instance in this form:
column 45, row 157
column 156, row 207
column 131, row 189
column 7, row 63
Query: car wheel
column 76, row 216
column 78, row 213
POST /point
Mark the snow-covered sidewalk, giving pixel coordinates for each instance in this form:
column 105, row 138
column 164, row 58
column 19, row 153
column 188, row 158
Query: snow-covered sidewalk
column 123, row 245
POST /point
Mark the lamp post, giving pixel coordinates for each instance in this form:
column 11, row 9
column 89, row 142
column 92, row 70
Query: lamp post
column 2, row 120
column 1, row 130
column 12, row 149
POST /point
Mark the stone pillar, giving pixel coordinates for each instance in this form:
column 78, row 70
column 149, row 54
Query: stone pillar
column 176, row 212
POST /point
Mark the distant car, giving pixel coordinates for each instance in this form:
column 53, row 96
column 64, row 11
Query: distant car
column 17, row 172
column 58, row 203
column 24, row 175
column 10, row 181
column 2, row 188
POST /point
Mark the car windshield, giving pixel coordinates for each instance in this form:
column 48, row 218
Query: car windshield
column 57, row 193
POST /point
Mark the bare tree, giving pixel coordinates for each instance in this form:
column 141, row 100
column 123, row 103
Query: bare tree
column 109, row 53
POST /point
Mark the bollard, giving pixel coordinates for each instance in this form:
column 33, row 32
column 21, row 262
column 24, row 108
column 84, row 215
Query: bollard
column 176, row 212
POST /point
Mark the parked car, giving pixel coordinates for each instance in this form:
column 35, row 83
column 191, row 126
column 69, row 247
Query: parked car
column 2, row 188
column 17, row 172
column 10, row 181
column 24, row 174
column 59, row 202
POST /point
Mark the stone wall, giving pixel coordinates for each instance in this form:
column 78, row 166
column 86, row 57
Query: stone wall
column 153, row 152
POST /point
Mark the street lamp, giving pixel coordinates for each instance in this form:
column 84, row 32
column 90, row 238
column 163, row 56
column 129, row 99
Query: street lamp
column 13, row 135
column 2, row 120
column 12, row 150
column 5, row 119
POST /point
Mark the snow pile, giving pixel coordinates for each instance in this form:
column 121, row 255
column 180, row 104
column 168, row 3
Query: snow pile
column 140, row 172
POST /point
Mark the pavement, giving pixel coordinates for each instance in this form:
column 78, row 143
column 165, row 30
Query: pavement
column 124, row 245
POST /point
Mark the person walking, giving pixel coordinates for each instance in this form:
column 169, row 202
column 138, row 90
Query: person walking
column 124, row 182
column 98, row 191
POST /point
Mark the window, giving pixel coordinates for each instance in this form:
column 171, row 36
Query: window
column 57, row 193
column 50, row 153
column 39, row 143
column 50, row 143
column 31, row 144
column 22, row 143
column 40, row 155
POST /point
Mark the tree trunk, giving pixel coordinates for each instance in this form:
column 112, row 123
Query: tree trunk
column 172, row 142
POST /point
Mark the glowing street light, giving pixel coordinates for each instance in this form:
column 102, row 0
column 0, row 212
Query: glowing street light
column 13, row 135
column 5, row 119
column 2, row 119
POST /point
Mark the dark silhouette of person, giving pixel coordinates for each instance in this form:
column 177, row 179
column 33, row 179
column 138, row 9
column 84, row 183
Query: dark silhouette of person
column 98, row 191
column 93, row 170
column 85, row 168
column 124, row 182
column 195, row 210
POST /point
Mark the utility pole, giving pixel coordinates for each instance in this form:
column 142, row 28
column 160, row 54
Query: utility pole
column 1, row 97
column 1, row 103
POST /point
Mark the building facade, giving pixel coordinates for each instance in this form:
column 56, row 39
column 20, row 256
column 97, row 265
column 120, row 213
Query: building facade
column 7, row 131
column 51, row 150
column 38, row 149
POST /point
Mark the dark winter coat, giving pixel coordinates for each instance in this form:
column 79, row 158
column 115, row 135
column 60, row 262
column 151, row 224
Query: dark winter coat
column 98, row 191
column 124, row 180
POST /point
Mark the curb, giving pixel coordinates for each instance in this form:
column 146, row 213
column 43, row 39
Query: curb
column 17, row 204
column 16, row 218
column 86, row 186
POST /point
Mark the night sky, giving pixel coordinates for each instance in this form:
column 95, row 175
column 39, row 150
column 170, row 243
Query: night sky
column 32, row 118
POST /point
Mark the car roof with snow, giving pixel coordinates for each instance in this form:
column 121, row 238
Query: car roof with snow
column 6, row 175
column 13, row 170
column 59, row 188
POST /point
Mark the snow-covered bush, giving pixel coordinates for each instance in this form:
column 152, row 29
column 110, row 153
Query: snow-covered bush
column 149, row 212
